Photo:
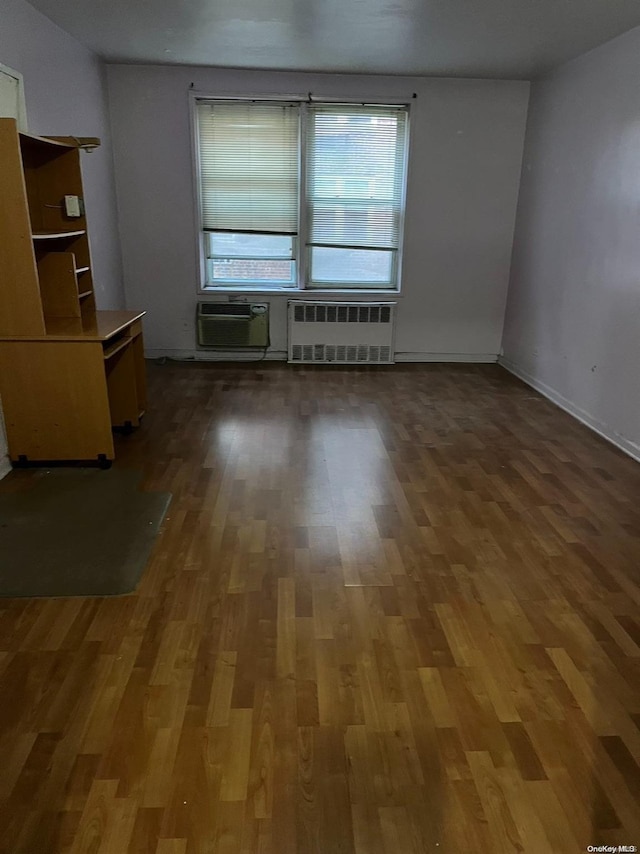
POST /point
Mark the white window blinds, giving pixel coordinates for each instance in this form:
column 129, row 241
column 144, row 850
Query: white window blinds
column 355, row 176
column 249, row 167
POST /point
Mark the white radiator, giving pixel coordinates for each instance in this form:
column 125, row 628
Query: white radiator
column 342, row 332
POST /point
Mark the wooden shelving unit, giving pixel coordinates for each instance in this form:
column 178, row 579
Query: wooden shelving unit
column 68, row 373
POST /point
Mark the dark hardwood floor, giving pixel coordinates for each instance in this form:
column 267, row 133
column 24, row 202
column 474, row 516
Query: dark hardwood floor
column 391, row 611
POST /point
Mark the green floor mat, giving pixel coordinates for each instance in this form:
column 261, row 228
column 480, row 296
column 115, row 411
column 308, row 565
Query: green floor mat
column 78, row 532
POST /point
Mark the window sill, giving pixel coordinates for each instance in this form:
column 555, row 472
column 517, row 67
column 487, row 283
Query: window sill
column 298, row 293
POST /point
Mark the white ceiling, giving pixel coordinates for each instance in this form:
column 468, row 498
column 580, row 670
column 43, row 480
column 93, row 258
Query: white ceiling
column 470, row 38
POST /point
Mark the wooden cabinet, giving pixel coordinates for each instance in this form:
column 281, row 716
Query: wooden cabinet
column 68, row 373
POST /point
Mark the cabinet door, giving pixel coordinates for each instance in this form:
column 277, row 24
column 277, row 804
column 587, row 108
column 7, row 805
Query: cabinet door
column 55, row 401
column 121, row 384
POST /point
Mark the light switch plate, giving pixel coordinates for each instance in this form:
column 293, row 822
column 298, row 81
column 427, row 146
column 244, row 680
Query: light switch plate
column 72, row 206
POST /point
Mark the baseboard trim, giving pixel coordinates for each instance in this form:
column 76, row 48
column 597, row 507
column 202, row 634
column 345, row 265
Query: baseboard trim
column 217, row 355
column 603, row 430
column 281, row 356
column 471, row 358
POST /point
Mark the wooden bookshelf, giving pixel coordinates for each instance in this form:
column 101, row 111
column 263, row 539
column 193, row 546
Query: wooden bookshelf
column 68, row 373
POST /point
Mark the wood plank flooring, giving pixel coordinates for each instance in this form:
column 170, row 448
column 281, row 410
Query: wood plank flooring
column 391, row 611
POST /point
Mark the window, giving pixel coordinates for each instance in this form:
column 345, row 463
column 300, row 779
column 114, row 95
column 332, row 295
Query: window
column 258, row 169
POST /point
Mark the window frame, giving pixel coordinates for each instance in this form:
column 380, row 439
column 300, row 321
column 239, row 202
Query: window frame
column 302, row 257
column 290, row 284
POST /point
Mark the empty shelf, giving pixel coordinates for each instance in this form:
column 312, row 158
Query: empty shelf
column 56, row 235
column 114, row 348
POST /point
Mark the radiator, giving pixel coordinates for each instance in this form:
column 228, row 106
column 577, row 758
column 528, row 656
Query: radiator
column 233, row 325
column 341, row 332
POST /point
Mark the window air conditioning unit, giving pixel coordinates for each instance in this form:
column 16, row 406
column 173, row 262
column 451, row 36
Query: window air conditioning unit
column 233, row 326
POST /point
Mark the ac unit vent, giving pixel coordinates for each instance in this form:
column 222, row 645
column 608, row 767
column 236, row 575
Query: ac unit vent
column 225, row 309
column 232, row 326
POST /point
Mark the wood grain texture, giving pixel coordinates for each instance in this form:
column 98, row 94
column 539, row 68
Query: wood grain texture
column 65, row 414
column 20, row 307
column 390, row 610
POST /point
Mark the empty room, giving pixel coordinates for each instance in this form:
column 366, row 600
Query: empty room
column 319, row 427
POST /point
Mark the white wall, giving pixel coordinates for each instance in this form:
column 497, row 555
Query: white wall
column 465, row 157
column 573, row 318
column 66, row 95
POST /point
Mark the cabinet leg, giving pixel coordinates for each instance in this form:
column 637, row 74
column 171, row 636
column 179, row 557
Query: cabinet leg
column 103, row 462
